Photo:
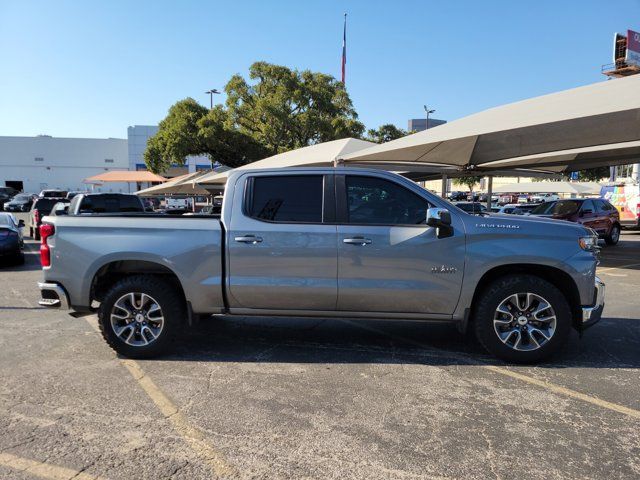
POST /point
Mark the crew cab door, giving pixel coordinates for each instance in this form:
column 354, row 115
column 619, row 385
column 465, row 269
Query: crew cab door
column 389, row 260
column 281, row 243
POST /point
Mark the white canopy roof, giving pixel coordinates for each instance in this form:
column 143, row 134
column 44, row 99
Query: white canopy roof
column 593, row 120
column 579, row 188
column 184, row 184
column 321, row 154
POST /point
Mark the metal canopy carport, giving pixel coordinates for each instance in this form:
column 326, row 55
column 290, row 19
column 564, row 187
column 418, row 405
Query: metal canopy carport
column 321, row 154
column 580, row 128
column 182, row 185
column 577, row 188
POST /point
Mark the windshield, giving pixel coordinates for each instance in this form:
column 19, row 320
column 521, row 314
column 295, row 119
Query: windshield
column 22, row 197
column 561, row 207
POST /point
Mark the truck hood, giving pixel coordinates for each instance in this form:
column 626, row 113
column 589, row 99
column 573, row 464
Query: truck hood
column 524, row 224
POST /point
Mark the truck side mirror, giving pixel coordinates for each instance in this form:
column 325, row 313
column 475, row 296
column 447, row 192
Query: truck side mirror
column 20, row 223
column 438, row 217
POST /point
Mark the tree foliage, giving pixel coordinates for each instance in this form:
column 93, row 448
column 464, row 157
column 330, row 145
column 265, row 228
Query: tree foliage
column 593, row 174
column 277, row 110
column 385, row 133
column 469, row 181
column 285, row 109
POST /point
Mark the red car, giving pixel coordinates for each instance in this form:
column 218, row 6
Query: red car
column 594, row 213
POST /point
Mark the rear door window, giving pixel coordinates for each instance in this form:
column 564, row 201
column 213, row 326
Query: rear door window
column 286, row 198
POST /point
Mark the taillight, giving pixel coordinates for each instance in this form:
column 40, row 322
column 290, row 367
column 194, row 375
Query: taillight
column 36, row 216
column 638, row 210
column 46, row 230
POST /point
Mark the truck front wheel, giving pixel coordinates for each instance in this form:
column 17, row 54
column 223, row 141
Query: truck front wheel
column 522, row 318
column 139, row 315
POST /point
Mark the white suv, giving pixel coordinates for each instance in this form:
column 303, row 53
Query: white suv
column 545, row 197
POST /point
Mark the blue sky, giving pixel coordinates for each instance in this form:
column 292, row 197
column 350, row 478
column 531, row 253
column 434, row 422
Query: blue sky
column 90, row 69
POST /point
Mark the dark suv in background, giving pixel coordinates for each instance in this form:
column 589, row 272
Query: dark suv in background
column 594, row 213
column 87, row 203
column 20, row 203
column 41, row 208
column 6, row 194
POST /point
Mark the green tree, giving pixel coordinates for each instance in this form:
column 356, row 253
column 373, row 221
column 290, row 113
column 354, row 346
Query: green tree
column 191, row 129
column 285, row 109
column 385, row 133
column 280, row 110
column 468, row 181
column 593, row 174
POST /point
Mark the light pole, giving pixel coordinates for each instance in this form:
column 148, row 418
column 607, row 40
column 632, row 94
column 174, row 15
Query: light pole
column 211, row 93
column 426, row 109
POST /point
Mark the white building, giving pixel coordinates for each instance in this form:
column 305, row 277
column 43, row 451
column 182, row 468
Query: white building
column 32, row 164
column 138, row 135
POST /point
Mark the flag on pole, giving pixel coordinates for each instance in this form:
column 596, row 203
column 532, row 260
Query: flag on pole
column 344, row 48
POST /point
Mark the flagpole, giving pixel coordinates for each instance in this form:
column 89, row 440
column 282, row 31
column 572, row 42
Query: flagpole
column 344, row 49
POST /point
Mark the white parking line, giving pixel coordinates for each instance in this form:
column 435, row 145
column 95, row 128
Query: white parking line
column 198, row 442
column 552, row 387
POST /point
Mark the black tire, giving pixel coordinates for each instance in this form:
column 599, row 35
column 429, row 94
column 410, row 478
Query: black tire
column 36, row 233
column 614, row 235
column 19, row 260
column 501, row 288
column 166, row 296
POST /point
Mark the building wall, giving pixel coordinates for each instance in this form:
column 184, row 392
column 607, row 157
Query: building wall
column 50, row 162
column 138, row 136
column 420, row 124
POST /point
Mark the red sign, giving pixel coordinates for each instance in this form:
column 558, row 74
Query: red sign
column 633, row 41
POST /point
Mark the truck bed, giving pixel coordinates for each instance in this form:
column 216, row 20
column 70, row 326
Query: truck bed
column 190, row 247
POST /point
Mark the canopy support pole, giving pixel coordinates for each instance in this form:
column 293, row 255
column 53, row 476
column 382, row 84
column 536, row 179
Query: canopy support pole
column 444, row 185
column 489, row 191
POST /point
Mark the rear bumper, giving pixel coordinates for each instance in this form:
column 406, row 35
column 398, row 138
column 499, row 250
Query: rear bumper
column 53, row 295
column 592, row 314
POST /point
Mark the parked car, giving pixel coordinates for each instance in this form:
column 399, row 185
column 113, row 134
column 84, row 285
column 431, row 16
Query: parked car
column 11, row 241
column 457, row 196
column 523, row 199
column 53, row 194
column 181, row 204
column 20, row 203
column 60, row 208
column 472, row 197
column 90, row 203
column 504, row 209
column 545, row 197
column 474, row 208
column 507, row 198
column 41, row 207
column 524, row 209
column 70, row 195
column 6, row 194
column 594, row 213
column 325, row 242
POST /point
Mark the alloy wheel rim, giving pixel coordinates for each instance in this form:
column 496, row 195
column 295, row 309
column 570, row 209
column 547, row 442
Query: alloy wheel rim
column 524, row 321
column 137, row 319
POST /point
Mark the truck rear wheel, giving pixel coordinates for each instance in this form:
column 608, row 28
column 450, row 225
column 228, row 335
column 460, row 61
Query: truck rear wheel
column 139, row 315
column 522, row 318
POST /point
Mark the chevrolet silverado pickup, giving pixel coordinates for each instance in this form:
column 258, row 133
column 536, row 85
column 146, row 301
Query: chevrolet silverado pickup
column 326, row 242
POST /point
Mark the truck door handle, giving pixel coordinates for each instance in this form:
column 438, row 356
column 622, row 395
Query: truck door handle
column 357, row 241
column 252, row 239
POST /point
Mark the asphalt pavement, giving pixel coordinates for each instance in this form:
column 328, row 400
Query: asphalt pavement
column 300, row 398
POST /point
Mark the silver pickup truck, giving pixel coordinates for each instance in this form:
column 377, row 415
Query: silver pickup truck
column 326, row 242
